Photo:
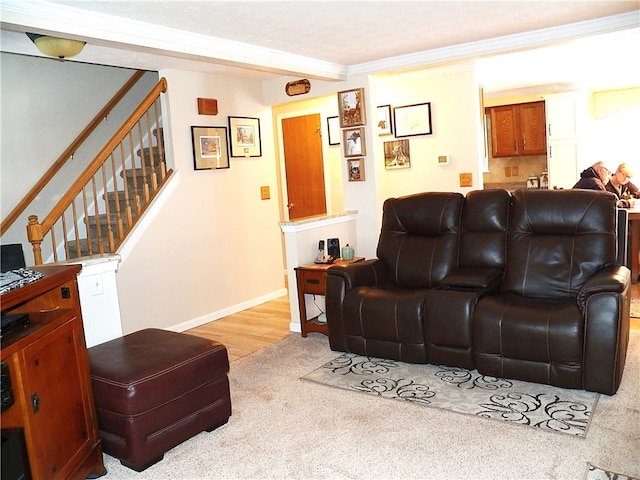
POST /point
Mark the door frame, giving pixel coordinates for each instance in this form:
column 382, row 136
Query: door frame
column 284, row 200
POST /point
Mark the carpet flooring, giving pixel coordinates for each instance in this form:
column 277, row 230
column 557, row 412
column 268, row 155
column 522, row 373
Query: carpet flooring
column 635, row 308
column 286, row 428
column 462, row 391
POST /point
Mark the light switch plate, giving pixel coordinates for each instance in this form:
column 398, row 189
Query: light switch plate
column 265, row 193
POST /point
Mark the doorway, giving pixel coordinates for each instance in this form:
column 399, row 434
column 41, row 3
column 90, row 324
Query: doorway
column 304, row 166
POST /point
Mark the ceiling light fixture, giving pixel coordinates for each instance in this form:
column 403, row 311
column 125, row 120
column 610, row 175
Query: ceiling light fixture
column 56, row 47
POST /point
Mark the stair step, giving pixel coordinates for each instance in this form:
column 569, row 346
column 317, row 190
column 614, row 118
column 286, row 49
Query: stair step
column 84, row 248
column 156, row 153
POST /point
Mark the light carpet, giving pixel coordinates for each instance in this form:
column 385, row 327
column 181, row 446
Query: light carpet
column 285, row 428
column 462, row 391
column 635, row 308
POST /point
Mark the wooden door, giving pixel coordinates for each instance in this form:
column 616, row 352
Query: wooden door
column 533, row 132
column 504, row 128
column 304, row 166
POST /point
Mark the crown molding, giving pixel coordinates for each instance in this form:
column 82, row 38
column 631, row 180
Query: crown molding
column 43, row 17
column 498, row 45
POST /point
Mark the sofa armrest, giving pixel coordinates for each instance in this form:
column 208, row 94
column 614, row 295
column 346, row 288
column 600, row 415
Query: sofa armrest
column 472, row 278
column 366, row 273
column 612, row 279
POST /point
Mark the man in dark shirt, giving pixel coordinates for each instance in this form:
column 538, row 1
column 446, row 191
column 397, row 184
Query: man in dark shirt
column 594, row 178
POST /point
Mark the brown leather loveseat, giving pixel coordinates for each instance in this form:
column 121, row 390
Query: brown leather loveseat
column 527, row 286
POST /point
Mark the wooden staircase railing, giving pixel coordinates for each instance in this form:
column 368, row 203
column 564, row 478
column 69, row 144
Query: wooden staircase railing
column 90, row 219
column 68, row 153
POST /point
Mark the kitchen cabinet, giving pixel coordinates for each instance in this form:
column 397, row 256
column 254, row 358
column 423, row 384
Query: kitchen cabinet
column 567, row 137
column 47, row 364
column 518, row 130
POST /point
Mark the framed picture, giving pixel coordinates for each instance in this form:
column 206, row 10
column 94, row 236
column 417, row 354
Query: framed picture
column 333, row 127
column 355, row 169
column 244, row 133
column 396, row 154
column 384, row 120
column 210, row 149
column 353, row 142
column 412, row 120
column 351, row 108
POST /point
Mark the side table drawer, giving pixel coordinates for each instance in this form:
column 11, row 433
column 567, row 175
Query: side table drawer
column 313, row 281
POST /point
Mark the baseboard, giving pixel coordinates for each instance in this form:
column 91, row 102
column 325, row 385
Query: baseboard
column 225, row 312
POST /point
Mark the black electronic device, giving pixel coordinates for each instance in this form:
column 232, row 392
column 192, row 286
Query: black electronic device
column 15, row 462
column 11, row 257
column 333, row 247
column 12, row 321
column 6, row 389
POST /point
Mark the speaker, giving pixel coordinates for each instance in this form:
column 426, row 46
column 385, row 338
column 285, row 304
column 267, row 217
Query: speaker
column 333, row 247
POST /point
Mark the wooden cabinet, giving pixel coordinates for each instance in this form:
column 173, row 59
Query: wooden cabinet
column 49, row 371
column 518, row 130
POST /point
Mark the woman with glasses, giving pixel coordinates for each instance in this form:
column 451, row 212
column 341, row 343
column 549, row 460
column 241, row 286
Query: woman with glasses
column 620, row 183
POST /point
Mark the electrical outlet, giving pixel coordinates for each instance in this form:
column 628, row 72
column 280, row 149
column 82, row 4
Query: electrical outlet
column 466, row 179
column 265, row 193
column 507, row 171
column 515, row 170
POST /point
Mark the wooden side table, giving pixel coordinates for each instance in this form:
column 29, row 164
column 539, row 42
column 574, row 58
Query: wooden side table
column 311, row 278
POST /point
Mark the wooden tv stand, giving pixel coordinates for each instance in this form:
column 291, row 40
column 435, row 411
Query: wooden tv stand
column 49, row 373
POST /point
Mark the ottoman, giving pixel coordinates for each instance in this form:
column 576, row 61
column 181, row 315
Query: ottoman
column 154, row 389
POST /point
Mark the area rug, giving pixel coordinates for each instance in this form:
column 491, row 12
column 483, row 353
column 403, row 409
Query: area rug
column 463, row 391
column 596, row 473
column 635, row 308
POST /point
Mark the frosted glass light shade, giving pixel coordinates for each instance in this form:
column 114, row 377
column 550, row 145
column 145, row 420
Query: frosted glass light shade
column 57, row 47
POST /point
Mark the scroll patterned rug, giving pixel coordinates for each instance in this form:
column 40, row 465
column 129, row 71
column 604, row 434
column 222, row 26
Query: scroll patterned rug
column 596, row 473
column 463, row 391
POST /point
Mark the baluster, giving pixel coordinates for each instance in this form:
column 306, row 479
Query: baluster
column 160, row 140
column 96, row 216
column 145, row 177
column 116, row 195
column 127, row 197
column 85, row 215
column 107, row 208
column 65, row 237
column 136, row 194
column 76, row 232
column 153, row 164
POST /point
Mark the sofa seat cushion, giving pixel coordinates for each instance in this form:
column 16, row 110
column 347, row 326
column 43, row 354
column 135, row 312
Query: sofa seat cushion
column 532, row 339
column 386, row 322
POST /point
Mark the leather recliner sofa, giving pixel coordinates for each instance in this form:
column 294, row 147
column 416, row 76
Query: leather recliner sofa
column 528, row 286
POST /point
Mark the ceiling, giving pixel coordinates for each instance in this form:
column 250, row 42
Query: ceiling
column 518, row 45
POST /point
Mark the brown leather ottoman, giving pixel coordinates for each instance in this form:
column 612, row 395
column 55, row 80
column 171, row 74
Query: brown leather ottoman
column 154, row 389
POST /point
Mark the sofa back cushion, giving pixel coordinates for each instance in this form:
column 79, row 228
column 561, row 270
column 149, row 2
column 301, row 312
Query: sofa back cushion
column 558, row 239
column 419, row 238
column 485, row 220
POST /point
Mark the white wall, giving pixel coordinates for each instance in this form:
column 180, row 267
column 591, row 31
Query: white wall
column 453, row 95
column 457, row 132
column 215, row 246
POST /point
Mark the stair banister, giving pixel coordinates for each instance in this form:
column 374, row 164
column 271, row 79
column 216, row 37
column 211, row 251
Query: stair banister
column 68, row 153
column 36, row 231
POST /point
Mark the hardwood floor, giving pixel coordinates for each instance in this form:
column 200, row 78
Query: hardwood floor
column 258, row 327
column 250, row 330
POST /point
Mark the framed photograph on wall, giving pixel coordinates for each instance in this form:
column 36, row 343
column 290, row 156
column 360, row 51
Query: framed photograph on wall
column 396, row 154
column 333, row 127
column 244, row 133
column 411, row 120
column 210, row 149
column 355, row 169
column 353, row 142
column 384, row 120
column 351, row 109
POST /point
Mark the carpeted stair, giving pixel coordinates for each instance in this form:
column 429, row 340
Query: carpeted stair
column 119, row 201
